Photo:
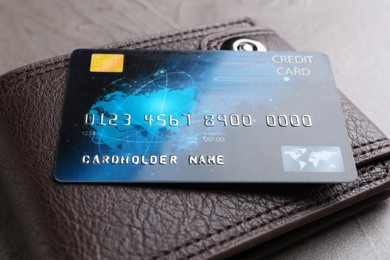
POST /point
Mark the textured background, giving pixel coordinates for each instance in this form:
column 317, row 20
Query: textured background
column 354, row 33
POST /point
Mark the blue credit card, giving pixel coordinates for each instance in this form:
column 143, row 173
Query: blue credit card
column 202, row 117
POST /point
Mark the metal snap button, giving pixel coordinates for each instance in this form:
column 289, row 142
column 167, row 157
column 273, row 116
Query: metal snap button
column 248, row 45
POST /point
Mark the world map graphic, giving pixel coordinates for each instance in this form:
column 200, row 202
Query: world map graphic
column 316, row 159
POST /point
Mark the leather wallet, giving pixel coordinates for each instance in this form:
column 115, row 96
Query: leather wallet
column 79, row 221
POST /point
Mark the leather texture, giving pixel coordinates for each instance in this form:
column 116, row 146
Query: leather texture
column 153, row 221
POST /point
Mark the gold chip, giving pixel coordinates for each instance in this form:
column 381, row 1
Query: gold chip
column 107, row 62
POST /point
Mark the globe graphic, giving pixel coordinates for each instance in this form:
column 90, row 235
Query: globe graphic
column 136, row 106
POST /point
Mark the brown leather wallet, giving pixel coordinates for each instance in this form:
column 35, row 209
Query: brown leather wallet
column 75, row 221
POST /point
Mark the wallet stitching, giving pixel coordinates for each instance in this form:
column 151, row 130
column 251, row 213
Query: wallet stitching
column 370, row 150
column 369, row 143
column 214, row 42
column 260, row 214
column 189, row 35
column 245, row 21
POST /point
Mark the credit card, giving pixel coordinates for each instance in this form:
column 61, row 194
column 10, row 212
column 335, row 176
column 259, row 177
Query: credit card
column 202, row 117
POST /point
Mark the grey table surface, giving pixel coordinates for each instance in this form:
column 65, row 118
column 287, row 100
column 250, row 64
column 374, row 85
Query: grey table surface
column 354, row 33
